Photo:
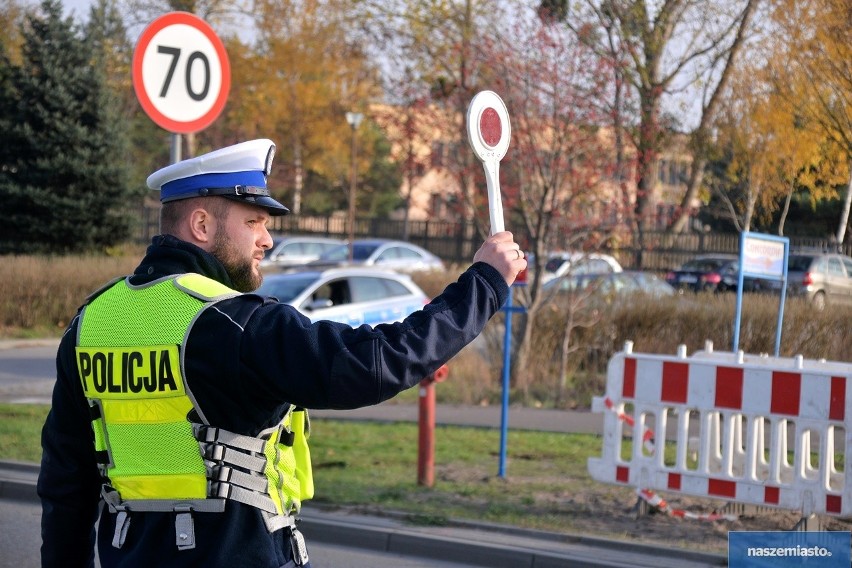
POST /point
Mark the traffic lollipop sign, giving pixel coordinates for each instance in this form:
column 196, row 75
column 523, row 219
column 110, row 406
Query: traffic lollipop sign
column 488, row 131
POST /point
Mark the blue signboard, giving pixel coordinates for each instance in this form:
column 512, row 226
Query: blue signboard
column 759, row 549
column 762, row 257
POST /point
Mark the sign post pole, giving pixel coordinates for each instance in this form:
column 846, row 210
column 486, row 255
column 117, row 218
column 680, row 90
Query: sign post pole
column 175, row 152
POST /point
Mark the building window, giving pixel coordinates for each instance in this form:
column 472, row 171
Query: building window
column 436, row 205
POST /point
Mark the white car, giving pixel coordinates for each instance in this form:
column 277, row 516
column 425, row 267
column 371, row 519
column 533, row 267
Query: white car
column 386, row 254
column 350, row 295
column 296, row 250
column 562, row 263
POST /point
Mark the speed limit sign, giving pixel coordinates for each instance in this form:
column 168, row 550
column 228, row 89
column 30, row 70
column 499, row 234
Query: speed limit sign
column 181, row 73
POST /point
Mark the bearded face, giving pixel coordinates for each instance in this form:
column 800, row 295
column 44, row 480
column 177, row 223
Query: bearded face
column 238, row 264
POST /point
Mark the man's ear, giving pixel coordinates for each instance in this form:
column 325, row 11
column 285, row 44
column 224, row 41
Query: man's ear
column 201, row 226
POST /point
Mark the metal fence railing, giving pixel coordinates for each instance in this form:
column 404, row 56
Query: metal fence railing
column 456, row 241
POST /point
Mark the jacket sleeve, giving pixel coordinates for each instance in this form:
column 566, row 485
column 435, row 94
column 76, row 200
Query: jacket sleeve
column 285, row 357
column 69, row 482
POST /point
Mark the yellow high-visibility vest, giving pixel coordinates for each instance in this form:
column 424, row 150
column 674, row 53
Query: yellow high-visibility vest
column 129, row 361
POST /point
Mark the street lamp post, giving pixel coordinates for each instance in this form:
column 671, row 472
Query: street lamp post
column 354, row 119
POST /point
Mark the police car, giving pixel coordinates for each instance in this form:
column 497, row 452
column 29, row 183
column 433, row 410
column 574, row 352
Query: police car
column 350, row 295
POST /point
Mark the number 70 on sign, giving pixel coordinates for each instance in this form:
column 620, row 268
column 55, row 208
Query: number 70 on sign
column 181, row 73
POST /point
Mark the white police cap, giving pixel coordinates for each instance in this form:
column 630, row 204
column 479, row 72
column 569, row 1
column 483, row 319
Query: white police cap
column 237, row 172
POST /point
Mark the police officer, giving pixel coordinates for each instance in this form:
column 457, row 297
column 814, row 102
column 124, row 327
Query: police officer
column 178, row 415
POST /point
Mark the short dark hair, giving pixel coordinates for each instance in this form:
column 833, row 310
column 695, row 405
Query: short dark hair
column 173, row 212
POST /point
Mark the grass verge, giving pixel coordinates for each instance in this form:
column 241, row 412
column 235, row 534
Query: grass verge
column 374, row 466
column 371, row 468
column 20, row 431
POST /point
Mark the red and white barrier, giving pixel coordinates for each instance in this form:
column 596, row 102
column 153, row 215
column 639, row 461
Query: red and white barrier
column 747, row 429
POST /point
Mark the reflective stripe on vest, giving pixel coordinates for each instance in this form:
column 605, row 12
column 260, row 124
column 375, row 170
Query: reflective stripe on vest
column 129, row 351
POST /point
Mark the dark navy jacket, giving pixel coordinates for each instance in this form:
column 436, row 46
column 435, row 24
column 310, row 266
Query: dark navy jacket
column 246, row 360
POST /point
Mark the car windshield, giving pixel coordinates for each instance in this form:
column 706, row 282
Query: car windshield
column 554, row 263
column 287, row 286
column 799, row 263
column 339, row 253
column 704, row 264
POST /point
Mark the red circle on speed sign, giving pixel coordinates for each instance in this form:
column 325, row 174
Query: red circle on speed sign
column 181, row 73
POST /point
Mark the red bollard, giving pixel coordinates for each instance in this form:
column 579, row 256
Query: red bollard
column 426, row 430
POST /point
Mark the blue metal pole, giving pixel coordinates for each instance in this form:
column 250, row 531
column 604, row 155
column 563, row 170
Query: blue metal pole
column 507, row 357
column 738, row 312
column 783, row 298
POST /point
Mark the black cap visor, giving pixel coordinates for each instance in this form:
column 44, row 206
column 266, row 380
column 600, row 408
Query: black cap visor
column 272, row 207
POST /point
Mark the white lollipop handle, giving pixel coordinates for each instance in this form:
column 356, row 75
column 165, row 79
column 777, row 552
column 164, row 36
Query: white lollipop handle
column 495, row 196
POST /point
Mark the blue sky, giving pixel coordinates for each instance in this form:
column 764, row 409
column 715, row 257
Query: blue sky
column 79, row 8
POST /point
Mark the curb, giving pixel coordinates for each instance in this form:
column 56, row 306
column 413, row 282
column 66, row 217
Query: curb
column 491, row 545
column 462, row 542
column 18, row 480
column 26, row 343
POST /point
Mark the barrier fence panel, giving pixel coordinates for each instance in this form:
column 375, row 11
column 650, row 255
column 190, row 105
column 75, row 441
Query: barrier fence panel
column 758, row 430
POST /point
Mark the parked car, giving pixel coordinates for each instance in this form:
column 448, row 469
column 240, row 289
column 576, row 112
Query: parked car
column 560, row 263
column 296, row 250
column 707, row 273
column 823, row 278
column 388, row 254
column 716, row 273
column 611, row 287
column 350, row 295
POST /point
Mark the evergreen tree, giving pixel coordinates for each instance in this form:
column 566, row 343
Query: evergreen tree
column 148, row 143
column 63, row 165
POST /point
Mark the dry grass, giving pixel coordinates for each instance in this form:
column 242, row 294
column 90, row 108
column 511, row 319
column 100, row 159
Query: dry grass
column 42, row 294
column 653, row 327
column 433, row 282
column 659, row 327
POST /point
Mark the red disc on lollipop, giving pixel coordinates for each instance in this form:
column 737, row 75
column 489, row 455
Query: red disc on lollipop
column 490, row 127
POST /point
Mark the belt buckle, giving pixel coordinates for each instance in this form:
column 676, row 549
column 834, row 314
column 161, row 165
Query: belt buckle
column 297, row 545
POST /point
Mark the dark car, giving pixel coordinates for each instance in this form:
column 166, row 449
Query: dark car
column 822, row 278
column 706, row 273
